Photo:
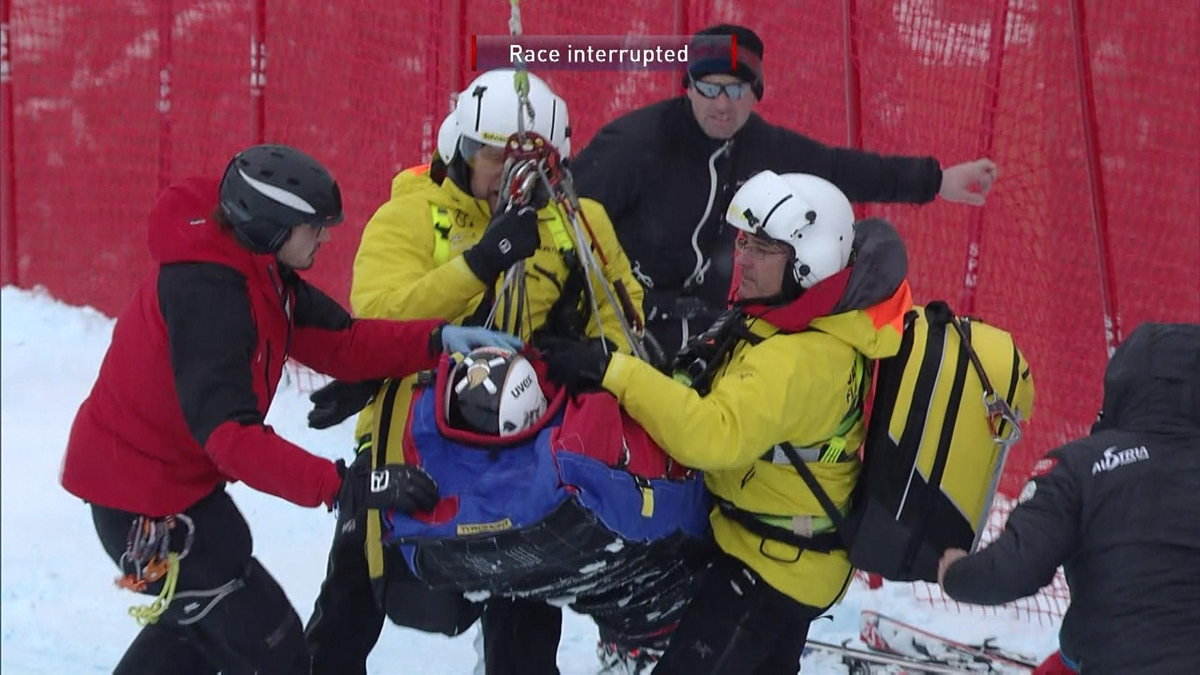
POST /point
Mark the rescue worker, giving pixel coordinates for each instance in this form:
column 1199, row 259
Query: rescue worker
column 786, row 367
column 439, row 248
column 178, row 407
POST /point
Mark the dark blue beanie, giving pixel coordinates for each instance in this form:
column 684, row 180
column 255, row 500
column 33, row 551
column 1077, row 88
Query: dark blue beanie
column 713, row 51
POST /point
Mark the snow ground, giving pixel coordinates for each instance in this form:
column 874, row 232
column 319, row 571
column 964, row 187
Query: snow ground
column 61, row 614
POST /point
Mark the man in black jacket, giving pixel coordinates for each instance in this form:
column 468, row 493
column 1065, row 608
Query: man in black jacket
column 666, row 172
column 1120, row 511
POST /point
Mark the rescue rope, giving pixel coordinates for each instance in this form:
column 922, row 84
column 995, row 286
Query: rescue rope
column 521, row 76
column 532, row 161
column 148, row 614
column 515, row 190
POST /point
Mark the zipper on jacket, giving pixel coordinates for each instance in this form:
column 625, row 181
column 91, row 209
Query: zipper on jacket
column 267, row 373
column 281, row 294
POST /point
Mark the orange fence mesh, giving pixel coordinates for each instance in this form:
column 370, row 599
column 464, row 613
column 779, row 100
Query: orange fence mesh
column 1088, row 106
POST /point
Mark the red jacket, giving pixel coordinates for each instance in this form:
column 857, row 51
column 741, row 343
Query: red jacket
column 195, row 358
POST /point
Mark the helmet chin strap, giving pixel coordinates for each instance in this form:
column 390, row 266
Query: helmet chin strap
column 791, row 288
column 459, row 172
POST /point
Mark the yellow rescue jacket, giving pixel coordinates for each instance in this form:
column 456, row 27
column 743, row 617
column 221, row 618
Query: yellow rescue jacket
column 396, row 275
column 801, row 388
column 409, row 265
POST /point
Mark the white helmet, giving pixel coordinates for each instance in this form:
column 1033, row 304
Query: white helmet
column 447, row 139
column 808, row 213
column 486, row 112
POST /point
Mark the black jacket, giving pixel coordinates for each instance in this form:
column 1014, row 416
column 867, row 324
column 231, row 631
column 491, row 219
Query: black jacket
column 666, row 185
column 1120, row 510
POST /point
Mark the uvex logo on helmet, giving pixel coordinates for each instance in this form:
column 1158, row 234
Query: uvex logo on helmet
column 269, row 189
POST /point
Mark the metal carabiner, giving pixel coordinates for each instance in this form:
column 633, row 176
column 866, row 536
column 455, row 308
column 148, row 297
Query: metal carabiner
column 189, row 537
column 998, row 412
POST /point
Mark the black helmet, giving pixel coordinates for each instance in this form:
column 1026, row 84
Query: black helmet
column 269, row 189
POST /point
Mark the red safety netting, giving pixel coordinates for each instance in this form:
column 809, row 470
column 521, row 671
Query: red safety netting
column 1089, row 108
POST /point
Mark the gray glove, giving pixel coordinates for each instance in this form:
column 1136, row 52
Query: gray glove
column 462, row 339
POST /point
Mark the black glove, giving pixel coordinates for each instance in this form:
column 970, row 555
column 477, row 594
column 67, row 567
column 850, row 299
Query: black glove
column 510, row 237
column 403, row 487
column 578, row 366
column 336, row 401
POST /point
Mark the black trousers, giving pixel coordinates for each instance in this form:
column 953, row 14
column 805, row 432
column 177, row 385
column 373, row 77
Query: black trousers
column 346, row 619
column 229, row 615
column 738, row 625
column 520, row 637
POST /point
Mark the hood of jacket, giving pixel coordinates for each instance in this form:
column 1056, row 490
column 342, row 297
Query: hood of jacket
column 1152, row 382
column 410, row 180
column 181, row 229
column 864, row 304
